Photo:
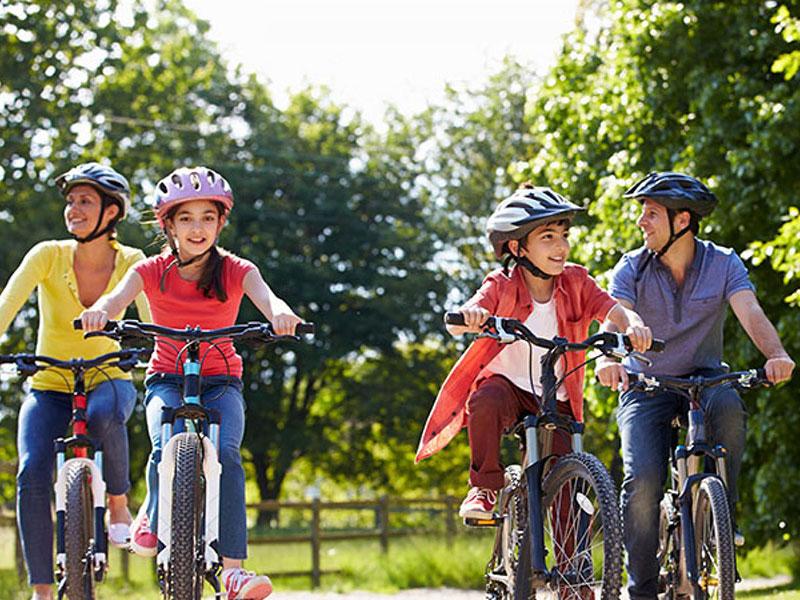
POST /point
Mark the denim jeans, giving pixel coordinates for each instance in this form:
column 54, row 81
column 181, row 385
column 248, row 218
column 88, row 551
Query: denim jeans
column 223, row 394
column 644, row 426
column 43, row 417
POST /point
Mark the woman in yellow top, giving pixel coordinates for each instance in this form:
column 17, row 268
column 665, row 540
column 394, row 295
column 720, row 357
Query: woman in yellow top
column 71, row 275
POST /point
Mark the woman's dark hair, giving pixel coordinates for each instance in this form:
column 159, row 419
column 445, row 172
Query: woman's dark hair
column 210, row 282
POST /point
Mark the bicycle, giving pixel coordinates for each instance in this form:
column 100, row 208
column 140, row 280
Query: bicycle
column 80, row 492
column 696, row 550
column 561, row 507
column 189, row 471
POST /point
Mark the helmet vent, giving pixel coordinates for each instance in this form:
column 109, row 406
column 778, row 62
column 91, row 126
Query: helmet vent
column 194, row 179
column 176, row 179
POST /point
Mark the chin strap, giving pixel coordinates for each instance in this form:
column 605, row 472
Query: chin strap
column 523, row 261
column 97, row 232
column 673, row 237
column 178, row 262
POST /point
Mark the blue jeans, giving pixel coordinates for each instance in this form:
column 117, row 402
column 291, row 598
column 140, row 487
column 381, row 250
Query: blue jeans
column 644, row 426
column 43, row 417
column 223, row 394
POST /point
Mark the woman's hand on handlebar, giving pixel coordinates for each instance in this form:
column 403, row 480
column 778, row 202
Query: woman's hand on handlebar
column 93, row 319
column 641, row 337
column 285, row 323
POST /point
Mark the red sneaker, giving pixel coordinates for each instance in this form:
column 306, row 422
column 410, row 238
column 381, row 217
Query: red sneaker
column 143, row 541
column 478, row 504
column 246, row 585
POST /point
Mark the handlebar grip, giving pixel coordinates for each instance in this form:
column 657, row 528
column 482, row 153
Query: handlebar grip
column 658, row 345
column 109, row 326
column 454, row 318
column 761, row 373
column 304, row 328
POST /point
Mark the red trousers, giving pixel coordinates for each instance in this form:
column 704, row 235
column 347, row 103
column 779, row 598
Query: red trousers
column 495, row 406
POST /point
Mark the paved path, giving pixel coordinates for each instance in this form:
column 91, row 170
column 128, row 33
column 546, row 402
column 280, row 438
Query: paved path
column 451, row 594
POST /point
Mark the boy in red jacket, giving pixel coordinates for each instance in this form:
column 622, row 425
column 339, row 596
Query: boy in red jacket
column 489, row 388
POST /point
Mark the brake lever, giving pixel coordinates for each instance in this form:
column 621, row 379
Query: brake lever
column 641, row 358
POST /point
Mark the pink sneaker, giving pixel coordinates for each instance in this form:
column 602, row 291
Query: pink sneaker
column 478, row 504
column 143, row 541
column 246, row 585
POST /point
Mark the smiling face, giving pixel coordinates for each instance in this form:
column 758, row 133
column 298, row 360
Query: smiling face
column 547, row 246
column 195, row 226
column 83, row 208
column 654, row 223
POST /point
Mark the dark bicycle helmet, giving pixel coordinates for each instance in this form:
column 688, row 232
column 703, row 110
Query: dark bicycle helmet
column 674, row 191
column 522, row 212
column 113, row 188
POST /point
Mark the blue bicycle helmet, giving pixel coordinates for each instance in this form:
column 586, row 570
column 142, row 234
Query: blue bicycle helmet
column 674, row 191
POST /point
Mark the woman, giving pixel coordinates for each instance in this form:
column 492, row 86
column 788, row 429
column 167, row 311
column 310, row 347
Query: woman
column 70, row 275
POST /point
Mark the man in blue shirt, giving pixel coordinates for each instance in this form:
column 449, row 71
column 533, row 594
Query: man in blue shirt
column 681, row 287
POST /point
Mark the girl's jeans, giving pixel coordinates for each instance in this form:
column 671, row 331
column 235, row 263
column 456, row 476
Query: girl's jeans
column 43, row 417
column 224, row 394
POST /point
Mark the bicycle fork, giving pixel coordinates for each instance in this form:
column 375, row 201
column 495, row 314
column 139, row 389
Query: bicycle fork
column 96, row 554
column 535, row 463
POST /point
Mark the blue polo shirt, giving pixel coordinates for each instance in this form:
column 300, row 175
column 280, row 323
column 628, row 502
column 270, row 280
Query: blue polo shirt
column 690, row 318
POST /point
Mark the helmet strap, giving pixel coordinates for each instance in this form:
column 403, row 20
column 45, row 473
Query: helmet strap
column 177, row 262
column 673, row 237
column 97, row 232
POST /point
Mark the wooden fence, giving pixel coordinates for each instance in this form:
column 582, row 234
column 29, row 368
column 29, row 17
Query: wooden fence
column 443, row 509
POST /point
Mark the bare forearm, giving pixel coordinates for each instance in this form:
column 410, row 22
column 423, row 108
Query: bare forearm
column 763, row 333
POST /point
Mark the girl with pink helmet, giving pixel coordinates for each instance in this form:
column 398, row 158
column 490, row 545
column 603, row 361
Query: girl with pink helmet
column 196, row 283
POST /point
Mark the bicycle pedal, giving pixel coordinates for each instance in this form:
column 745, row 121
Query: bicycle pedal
column 494, row 521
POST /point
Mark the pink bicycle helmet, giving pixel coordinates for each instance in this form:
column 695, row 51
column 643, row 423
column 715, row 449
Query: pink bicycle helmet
column 191, row 183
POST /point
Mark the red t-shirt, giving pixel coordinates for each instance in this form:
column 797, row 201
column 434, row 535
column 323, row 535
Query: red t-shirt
column 182, row 304
column 579, row 301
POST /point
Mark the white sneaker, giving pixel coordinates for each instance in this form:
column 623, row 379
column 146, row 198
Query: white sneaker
column 119, row 534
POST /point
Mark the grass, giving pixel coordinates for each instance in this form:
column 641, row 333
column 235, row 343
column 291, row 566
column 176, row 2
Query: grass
column 410, row 563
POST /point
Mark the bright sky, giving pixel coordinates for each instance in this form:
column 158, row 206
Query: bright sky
column 374, row 52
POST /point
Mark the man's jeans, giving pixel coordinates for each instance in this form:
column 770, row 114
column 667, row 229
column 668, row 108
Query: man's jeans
column 43, row 417
column 223, row 394
column 644, row 426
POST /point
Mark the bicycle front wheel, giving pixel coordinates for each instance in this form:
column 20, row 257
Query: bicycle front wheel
column 582, row 531
column 185, row 571
column 714, row 542
column 78, row 533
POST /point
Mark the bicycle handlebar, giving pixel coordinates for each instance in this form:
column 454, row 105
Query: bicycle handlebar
column 747, row 379
column 132, row 328
column 28, row 364
column 511, row 329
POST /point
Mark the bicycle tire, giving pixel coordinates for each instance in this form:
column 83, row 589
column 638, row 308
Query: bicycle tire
column 78, row 532
column 714, row 542
column 185, row 570
column 501, row 569
column 583, row 482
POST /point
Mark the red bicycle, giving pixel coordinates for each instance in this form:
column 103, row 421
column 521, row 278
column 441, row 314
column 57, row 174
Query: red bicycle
column 80, row 492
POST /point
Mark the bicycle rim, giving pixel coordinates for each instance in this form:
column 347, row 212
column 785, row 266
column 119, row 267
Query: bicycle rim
column 583, row 533
column 714, row 542
column 79, row 533
column 185, row 571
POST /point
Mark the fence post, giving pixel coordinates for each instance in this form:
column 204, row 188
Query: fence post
column 384, row 526
column 450, row 520
column 125, row 564
column 315, row 543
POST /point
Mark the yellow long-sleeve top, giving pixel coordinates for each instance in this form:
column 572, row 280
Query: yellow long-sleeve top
column 48, row 266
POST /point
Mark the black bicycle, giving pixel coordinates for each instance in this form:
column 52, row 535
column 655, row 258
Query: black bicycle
column 80, row 492
column 557, row 517
column 696, row 550
column 189, row 472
